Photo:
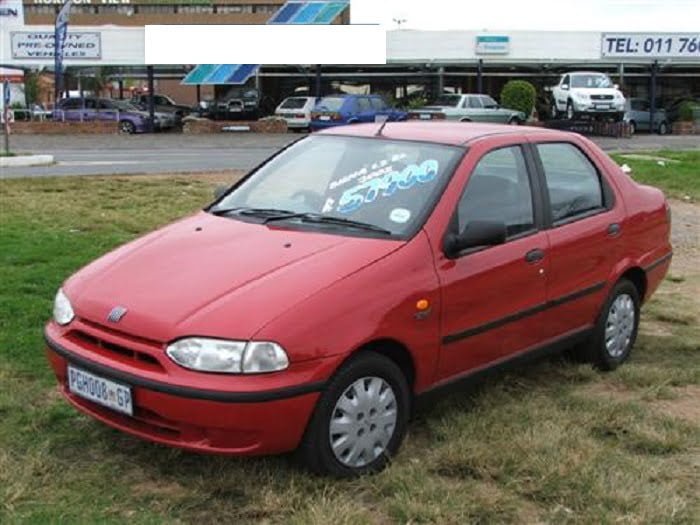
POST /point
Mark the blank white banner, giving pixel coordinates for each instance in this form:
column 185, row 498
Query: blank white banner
column 265, row 44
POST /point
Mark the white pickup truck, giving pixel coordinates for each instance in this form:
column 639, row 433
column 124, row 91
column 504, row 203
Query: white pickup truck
column 587, row 93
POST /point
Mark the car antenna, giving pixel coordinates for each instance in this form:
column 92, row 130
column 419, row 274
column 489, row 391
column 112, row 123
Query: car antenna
column 381, row 128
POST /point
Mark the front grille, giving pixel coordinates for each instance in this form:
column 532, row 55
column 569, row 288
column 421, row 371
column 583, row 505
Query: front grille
column 140, row 359
column 601, row 97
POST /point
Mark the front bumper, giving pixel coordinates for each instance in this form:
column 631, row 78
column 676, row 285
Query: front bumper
column 599, row 108
column 192, row 418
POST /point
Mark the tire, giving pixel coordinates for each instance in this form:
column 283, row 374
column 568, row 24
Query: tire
column 554, row 110
column 570, row 112
column 127, row 127
column 363, row 373
column 633, row 127
column 663, row 128
column 465, row 120
column 515, row 121
column 608, row 348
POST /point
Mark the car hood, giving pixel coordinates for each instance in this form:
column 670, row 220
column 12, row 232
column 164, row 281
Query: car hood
column 215, row 276
column 596, row 91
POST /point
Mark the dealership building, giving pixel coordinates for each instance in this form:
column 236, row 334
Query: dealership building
column 111, row 33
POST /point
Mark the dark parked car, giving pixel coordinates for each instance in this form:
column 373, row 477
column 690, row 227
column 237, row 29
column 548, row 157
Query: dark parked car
column 239, row 103
column 131, row 119
column 337, row 110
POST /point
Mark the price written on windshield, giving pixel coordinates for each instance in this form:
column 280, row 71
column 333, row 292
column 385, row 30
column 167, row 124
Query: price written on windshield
column 669, row 45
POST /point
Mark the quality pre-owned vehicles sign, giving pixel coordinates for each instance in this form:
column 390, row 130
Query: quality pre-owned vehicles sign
column 657, row 45
column 41, row 45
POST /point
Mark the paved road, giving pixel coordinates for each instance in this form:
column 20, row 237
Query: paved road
column 118, row 154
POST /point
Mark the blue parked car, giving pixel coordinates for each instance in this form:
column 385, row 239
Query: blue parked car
column 338, row 110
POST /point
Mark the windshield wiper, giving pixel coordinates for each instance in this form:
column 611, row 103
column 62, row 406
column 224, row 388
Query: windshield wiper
column 254, row 212
column 325, row 219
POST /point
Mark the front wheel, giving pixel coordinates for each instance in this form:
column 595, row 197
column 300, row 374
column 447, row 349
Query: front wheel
column 570, row 112
column 663, row 128
column 360, row 419
column 515, row 121
column 126, row 127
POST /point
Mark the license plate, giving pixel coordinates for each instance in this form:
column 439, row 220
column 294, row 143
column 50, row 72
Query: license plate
column 424, row 116
column 102, row 391
column 602, row 106
column 325, row 117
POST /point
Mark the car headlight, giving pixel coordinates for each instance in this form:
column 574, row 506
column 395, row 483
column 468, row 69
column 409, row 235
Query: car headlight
column 229, row 357
column 582, row 96
column 62, row 309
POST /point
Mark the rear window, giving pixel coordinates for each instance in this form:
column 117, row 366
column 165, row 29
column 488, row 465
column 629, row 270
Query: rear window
column 330, row 103
column 293, row 103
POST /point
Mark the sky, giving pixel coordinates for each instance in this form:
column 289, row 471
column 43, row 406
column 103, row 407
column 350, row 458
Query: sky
column 572, row 15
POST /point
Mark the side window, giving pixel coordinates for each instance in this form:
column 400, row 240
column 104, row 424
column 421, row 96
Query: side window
column 488, row 102
column 573, row 182
column 90, row 103
column 474, row 102
column 378, row 103
column 499, row 190
column 363, row 104
column 71, row 103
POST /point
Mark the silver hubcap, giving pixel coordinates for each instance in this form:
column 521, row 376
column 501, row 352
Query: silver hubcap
column 619, row 325
column 570, row 112
column 363, row 422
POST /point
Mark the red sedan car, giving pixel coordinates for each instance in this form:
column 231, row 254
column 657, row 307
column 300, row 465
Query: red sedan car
column 351, row 272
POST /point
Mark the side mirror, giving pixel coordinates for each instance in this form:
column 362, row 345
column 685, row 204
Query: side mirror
column 565, row 87
column 219, row 191
column 475, row 233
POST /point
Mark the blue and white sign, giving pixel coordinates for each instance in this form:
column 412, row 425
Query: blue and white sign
column 492, row 45
column 656, row 45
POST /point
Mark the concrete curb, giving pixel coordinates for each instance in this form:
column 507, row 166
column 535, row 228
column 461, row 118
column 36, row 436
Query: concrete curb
column 21, row 161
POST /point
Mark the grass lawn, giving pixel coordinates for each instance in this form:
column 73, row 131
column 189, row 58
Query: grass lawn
column 678, row 174
column 551, row 442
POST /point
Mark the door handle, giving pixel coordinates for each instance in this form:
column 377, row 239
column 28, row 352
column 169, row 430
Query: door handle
column 614, row 229
column 534, row 256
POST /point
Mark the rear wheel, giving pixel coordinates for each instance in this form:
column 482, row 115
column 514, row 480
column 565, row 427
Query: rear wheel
column 616, row 329
column 663, row 128
column 633, row 127
column 359, row 420
column 515, row 121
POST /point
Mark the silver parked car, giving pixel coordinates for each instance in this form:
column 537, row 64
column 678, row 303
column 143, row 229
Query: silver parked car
column 638, row 116
column 469, row 108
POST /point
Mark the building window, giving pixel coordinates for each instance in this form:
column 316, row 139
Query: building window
column 42, row 9
column 195, row 9
column 126, row 10
column 229, row 9
column 155, row 9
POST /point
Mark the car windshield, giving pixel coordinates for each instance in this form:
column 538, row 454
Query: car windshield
column 591, row 81
column 448, row 100
column 389, row 185
column 293, row 103
column 330, row 103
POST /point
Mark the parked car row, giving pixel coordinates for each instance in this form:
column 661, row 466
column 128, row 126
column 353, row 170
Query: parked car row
column 131, row 119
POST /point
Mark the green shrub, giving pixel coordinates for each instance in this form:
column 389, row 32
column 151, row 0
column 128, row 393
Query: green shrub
column 685, row 111
column 519, row 95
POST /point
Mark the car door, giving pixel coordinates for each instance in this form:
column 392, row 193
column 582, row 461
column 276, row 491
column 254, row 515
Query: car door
column 492, row 112
column 491, row 296
column 473, row 109
column 584, row 233
column 365, row 112
column 106, row 110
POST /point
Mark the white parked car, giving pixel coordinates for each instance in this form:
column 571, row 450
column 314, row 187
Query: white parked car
column 587, row 93
column 297, row 112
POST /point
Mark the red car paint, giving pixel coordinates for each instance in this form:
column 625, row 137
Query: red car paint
column 323, row 297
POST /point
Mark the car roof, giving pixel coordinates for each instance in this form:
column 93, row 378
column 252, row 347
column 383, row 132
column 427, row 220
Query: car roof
column 451, row 133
